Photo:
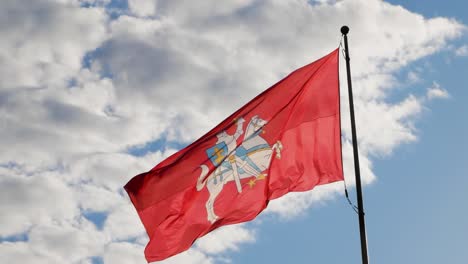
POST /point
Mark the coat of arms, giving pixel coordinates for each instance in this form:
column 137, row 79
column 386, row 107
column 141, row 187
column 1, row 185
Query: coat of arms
column 234, row 162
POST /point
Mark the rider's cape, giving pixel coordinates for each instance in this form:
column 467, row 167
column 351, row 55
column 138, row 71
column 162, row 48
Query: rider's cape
column 297, row 147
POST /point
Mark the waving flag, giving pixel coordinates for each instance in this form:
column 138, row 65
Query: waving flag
column 286, row 139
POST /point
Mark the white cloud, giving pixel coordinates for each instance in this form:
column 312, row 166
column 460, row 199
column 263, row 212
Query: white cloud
column 67, row 242
column 30, row 201
column 227, row 238
column 168, row 71
column 44, row 42
column 142, row 7
column 123, row 252
column 435, row 91
column 387, row 125
column 189, row 256
column 108, row 170
column 462, row 51
column 97, row 199
column 413, row 77
column 123, row 223
column 20, row 252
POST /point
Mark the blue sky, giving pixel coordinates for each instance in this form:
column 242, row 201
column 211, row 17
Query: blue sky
column 93, row 92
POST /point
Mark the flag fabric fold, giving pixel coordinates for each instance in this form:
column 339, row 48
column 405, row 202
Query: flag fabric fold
column 286, row 139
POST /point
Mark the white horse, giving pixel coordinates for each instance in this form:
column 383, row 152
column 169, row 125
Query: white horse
column 251, row 158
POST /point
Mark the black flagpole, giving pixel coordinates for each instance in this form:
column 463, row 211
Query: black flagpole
column 357, row 171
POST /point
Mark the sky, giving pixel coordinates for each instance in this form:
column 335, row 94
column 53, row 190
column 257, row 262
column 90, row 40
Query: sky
column 93, row 92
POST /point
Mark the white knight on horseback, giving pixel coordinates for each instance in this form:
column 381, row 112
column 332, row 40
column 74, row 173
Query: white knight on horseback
column 233, row 163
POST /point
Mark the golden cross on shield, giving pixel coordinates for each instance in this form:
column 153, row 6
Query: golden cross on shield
column 219, row 153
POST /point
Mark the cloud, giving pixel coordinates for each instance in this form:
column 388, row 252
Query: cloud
column 142, row 7
column 190, row 256
column 227, row 238
column 123, row 252
column 123, row 224
column 435, row 91
column 21, row 252
column 462, row 51
column 82, row 85
column 44, row 42
column 26, row 202
column 413, row 77
column 69, row 242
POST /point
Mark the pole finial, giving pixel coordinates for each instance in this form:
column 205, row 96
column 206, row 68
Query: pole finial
column 344, row 30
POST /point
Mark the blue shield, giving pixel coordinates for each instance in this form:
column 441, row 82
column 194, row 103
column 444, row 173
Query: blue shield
column 217, row 153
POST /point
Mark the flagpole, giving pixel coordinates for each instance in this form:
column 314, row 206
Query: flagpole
column 357, row 171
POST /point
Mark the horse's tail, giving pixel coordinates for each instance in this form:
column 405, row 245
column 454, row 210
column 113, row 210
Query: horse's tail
column 278, row 146
column 201, row 182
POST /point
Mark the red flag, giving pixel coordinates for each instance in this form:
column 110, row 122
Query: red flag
column 286, row 139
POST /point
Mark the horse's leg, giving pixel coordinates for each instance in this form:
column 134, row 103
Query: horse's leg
column 211, row 186
column 214, row 190
column 210, row 210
